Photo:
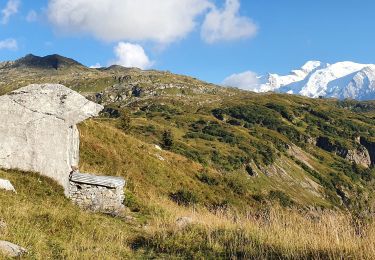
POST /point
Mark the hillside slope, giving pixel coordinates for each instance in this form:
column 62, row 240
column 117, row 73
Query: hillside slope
column 250, row 147
column 255, row 175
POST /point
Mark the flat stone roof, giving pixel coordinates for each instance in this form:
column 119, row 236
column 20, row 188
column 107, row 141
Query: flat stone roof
column 106, row 181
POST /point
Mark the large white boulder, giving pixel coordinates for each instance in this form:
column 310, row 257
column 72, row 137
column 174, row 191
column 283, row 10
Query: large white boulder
column 6, row 185
column 11, row 250
column 38, row 129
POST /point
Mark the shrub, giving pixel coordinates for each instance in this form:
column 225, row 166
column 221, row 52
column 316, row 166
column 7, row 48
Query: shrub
column 125, row 121
column 184, row 197
column 234, row 122
column 218, row 113
column 281, row 197
column 282, row 110
column 236, row 183
column 205, row 178
column 189, row 152
column 256, row 114
column 167, row 140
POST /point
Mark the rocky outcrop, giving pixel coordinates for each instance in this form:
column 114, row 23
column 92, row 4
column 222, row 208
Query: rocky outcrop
column 326, row 144
column 370, row 146
column 6, row 185
column 359, row 155
column 11, row 250
column 38, row 129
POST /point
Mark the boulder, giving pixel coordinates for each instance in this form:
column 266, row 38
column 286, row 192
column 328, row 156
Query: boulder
column 11, row 250
column 6, row 185
column 359, row 156
column 3, row 224
column 38, row 129
column 183, row 222
column 370, row 147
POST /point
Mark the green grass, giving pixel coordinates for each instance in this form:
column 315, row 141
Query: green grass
column 218, row 133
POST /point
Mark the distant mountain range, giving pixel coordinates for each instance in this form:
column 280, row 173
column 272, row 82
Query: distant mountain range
column 53, row 61
column 342, row 80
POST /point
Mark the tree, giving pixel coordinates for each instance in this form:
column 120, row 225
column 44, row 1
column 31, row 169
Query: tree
column 167, row 140
column 125, row 120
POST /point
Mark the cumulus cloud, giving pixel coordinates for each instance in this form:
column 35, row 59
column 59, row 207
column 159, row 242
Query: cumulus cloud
column 96, row 66
column 247, row 80
column 143, row 20
column 227, row 24
column 32, row 16
column 115, row 20
column 131, row 55
column 9, row 44
column 10, row 9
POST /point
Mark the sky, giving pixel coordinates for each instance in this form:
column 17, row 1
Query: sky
column 212, row 40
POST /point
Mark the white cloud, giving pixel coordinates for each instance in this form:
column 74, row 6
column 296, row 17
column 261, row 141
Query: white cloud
column 131, row 20
column 10, row 9
column 9, row 44
column 227, row 24
column 247, row 80
column 96, row 66
column 131, row 55
column 32, row 16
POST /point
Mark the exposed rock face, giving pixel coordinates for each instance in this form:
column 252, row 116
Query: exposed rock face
column 6, row 185
column 370, row 146
column 11, row 250
column 38, row 129
column 359, row 156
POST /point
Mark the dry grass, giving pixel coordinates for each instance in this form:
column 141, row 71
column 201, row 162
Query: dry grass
column 273, row 233
column 39, row 218
column 42, row 220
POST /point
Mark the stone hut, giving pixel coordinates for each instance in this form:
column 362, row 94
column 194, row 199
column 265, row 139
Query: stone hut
column 97, row 193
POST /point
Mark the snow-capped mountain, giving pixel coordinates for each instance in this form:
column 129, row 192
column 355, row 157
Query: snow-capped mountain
column 340, row 80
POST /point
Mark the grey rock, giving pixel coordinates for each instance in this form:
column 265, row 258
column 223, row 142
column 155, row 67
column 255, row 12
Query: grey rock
column 183, row 222
column 6, row 185
column 11, row 250
column 359, row 156
column 97, row 193
column 3, row 224
column 38, row 129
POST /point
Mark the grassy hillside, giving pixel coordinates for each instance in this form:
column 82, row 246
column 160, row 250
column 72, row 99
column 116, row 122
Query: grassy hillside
column 258, row 175
column 41, row 219
column 266, row 143
column 232, row 213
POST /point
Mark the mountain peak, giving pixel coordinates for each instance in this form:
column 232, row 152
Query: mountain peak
column 53, row 61
column 311, row 65
column 338, row 80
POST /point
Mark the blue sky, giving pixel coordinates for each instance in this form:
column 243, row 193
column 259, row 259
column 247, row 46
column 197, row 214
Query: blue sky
column 260, row 36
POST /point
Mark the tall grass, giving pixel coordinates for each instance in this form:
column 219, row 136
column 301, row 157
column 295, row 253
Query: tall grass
column 39, row 218
column 275, row 232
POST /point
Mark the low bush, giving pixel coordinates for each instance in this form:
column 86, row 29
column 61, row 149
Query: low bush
column 184, row 197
